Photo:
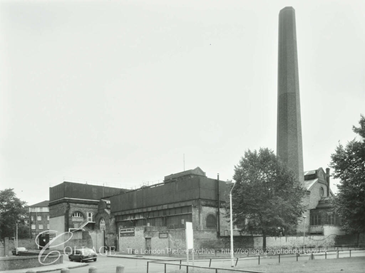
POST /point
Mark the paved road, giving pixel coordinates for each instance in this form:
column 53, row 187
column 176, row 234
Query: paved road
column 139, row 264
column 109, row 265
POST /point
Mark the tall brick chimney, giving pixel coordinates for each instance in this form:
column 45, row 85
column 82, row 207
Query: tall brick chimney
column 289, row 126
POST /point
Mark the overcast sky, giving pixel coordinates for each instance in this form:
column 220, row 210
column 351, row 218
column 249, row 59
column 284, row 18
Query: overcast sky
column 117, row 92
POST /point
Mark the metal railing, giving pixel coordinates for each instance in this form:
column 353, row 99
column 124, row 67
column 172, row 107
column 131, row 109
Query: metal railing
column 309, row 255
column 187, row 266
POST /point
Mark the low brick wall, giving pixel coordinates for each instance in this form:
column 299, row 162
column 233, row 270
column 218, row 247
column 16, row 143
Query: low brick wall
column 20, row 262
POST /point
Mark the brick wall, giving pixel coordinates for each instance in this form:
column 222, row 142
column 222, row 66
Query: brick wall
column 315, row 195
column 57, row 210
column 19, row 262
column 66, row 210
column 132, row 242
column 84, row 209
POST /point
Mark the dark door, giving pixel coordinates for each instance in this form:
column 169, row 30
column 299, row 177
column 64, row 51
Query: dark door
column 148, row 245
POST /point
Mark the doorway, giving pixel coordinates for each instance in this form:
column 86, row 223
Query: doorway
column 148, row 246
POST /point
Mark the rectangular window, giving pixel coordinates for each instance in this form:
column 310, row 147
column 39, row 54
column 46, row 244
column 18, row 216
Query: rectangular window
column 31, row 218
column 48, row 217
column 315, row 220
column 33, row 226
column 40, row 226
column 90, row 216
column 39, row 218
column 330, row 219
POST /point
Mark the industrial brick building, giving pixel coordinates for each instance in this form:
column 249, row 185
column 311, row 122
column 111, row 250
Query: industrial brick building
column 153, row 218
column 79, row 206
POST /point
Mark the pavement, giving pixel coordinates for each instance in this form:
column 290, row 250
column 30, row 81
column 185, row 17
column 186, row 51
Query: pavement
column 48, row 268
column 143, row 257
column 71, row 265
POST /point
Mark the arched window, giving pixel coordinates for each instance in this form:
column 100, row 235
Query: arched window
column 77, row 216
column 211, row 221
column 102, row 225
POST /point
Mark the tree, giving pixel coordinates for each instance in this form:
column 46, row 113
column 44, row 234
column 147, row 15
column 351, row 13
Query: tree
column 267, row 197
column 12, row 211
column 349, row 166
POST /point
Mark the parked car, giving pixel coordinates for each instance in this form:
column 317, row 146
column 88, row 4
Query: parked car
column 19, row 250
column 83, row 255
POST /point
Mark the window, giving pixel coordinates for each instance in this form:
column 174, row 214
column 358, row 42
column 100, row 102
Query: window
column 315, row 220
column 331, row 219
column 77, row 215
column 33, row 226
column 31, row 218
column 321, row 191
column 102, row 224
column 48, row 217
column 40, row 226
column 211, row 221
column 39, row 218
column 90, row 216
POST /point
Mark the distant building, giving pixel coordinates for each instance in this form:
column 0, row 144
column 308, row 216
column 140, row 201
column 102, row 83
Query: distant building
column 38, row 218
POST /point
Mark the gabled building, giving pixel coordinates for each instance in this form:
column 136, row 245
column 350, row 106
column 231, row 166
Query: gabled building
column 320, row 217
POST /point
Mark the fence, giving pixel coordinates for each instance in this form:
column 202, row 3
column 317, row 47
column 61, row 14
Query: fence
column 214, row 269
column 261, row 258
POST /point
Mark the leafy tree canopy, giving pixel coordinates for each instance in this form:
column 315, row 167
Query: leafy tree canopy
column 266, row 196
column 349, row 166
column 12, row 210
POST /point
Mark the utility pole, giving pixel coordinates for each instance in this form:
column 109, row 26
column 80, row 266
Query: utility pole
column 231, row 221
column 16, row 238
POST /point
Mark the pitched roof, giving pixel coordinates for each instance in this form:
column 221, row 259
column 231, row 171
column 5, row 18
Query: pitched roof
column 309, row 183
column 41, row 204
column 196, row 171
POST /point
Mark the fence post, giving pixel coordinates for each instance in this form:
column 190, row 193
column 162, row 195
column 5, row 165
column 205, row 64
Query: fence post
column 296, row 255
column 148, row 263
column 279, row 258
column 180, row 264
column 259, row 259
column 325, row 255
column 338, row 254
column 210, row 262
column 92, row 270
column 312, row 257
column 236, row 261
column 164, row 268
column 120, row 269
column 350, row 253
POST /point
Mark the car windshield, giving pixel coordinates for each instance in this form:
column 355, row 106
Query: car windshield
column 88, row 251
